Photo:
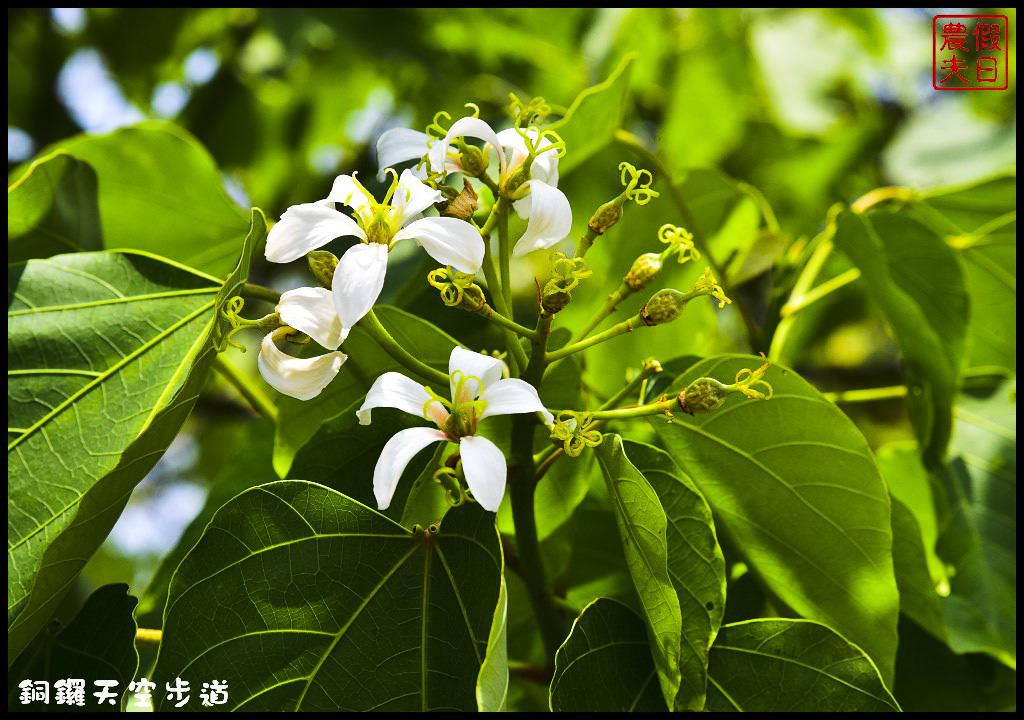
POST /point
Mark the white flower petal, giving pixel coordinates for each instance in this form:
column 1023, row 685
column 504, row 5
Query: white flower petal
column 306, row 227
column 311, row 310
column 413, row 196
column 348, row 191
column 550, row 218
column 358, row 280
column 484, row 368
column 448, row 240
column 466, row 127
column 395, row 390
column 511, row 396
column 301, row 378
column 512, row 141
column 484, row 466
column 399, row 145
column 396, row 454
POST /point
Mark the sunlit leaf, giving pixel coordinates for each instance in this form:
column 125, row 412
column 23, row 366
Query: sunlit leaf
column 643, row 531
column 52, row 209
column 108, row 352
column 492, row 681
column 160, row 191
column 695, row 564
column 343, row 609
column 915, row 279
column 792, row 666
column 981, row 540
column 796, row 486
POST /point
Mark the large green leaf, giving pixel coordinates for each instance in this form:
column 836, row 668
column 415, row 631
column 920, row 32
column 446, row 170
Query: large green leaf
column 300, row 420
column 52, row 209
column 981, row 539
column 695, row 564
column 643, row 530
column 917, row 282
column 594, row 116
column 160, row 191
column 795, row 484
column 792, row 666
column 107, row 354
column 980, row 223
column 605, row 664
column 919, row 599
column 99, row 644
column 303, row 599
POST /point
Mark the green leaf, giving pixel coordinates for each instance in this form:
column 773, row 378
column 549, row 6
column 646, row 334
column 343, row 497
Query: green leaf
column 247, row 466
column 793, row 481
column 99, row 644
column 792, row 666
column 492, row 682
column 300, row 420
column 981, row 539
column 919, row 599
column 52, row 209
column 980, row 223
column 605, row 664
column 107, row 354
column 917, row 282
column 695, row 564
column 342, row 609
column 591, row 121
column 643, row 529
column 160, row 191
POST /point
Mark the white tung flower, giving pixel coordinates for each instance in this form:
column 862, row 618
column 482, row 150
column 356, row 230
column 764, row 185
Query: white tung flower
column 359, row 277
column 546, row 208
column 478, row 391
column 309, row 310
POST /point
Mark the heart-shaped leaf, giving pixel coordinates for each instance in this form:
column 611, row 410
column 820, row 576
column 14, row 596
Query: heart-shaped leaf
column 302, row 599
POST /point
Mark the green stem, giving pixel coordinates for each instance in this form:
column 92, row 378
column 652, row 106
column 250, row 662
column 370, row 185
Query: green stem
column 650, row 368
column 620, row 294
column 796, row 304
column 253, row 394
column 147, row 637
column 585, row 242
column 494, row 316
column 656, row 408
column 516, row 355
column 521, row 486
column 617, row 329
column 867, row 394
column 259, row 292
column 504, row 255
column 382, row 337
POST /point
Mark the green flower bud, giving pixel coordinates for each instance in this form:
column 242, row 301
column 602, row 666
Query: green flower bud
column 322, row 265
column 702, row 396
column 665, row 306
column 606, row 216
column 472, row 300
column 645, row 269
column 554, row 301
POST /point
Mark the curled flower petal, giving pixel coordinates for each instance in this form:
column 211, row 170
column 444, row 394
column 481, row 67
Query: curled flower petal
column 358, row 280
column 347, row 191
column 487, row 370
column 306, row 227
column 311, row 310
column 448, row 240
column 466, row 127
column 395, row 390
column 396, row 454
column 484, row 467
column 399, row 145
column 413, row 196
column 550, row 217
column 511, row 396
column 300, row 378
column 545, row 165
